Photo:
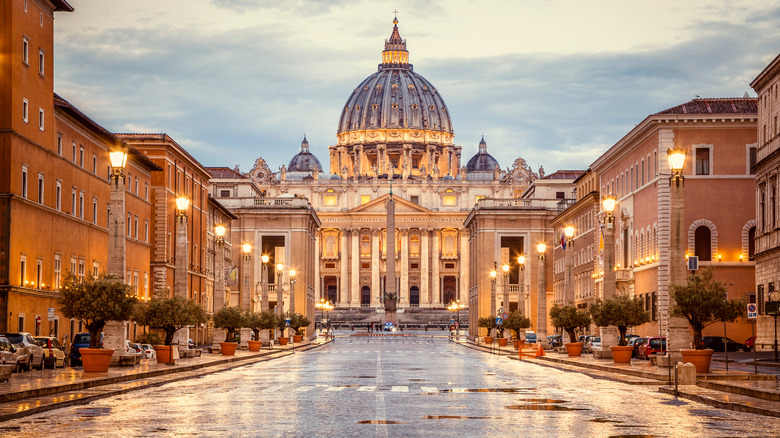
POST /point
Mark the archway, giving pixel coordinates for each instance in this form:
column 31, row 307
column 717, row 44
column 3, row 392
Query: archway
column 414, row 296
column 365, row 296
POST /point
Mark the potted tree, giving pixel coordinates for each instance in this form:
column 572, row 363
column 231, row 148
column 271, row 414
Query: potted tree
column 268, row 322
column 231, row 319
column 702, row 301
column 95, row 301
column 489, row 323
column 281, row 324
column 623, row 312
column 298, row 321
column 517, row 322
column 254, row 322
column 569, row 318
column 169, row 314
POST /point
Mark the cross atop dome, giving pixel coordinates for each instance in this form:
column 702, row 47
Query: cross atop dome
column 395, row 54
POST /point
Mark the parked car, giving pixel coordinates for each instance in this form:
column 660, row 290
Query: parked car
column 630, row 337
column 555, row 340
column 591, row 343
column 191, row 344
column 650, row 346
column 389, row 326
column 9, row 354
column 716, row 343
column 635, row 342
column 147, row 351
column 132, row 349
column 52, row 352
column 530, row 337
column 32, row 351
column 80, row 341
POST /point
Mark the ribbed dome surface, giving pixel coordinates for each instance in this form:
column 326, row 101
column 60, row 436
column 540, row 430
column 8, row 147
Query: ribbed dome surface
column 482, row 161
column 395, row 96
column 304, row 161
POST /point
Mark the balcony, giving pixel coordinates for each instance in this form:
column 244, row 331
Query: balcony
column 266, row 203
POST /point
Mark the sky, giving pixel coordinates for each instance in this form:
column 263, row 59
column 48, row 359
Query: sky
column 557, row 82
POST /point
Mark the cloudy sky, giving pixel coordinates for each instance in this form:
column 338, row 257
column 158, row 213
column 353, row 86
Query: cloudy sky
column 554, row 81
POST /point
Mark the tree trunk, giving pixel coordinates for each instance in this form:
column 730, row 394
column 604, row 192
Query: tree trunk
column 572, row 335
column 622, row 341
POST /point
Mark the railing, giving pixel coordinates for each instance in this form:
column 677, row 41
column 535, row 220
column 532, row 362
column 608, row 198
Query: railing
column 515, row 203
column 282, row 202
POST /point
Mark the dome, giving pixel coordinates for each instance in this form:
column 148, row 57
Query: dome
column 482, row 161
column 395, row 97
column 304, row 161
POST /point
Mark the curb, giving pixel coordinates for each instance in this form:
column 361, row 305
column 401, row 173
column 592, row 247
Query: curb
column 732, row 406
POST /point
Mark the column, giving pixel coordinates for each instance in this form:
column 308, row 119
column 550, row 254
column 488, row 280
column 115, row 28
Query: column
column 355, row 259
column 609, row 335
column 404, row 292
column 541, row 302
column 318, row 292
column 424, row 278
column 678, row 335
column 375, row 260
column 115, row 331
column 464, row 266
column 246, row 291
column 219, row 290
column 435, row 259
column 522, row 299
column 568, row 283
column 181, row 266
column 344, row 280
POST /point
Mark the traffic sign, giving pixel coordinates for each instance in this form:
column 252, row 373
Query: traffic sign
column 51, row 314
column 286, row 322
column 752, row 311
column 505, row 315
column 500, row 310
column 499, row 321
column 693, row 263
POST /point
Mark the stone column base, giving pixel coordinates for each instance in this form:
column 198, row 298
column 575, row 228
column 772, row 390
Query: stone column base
column 218, row 336
column 181, row 337
column 246, row 335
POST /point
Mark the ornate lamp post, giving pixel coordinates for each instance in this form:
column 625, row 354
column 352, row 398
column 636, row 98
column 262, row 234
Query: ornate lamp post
column 608, row 288
column 541, row 296
column 493, row 274
column 264, row 304
column 246, row 250
column 115, row 331
column 180, row 262
column 505, row 268
column 521, row 287
column 219, row 278
column 292, row 290
column 677, row 334
column 568, row 284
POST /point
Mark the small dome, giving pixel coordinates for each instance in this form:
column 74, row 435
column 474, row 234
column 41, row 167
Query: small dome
column 448, row 178
column 304, row 161
column 482, row 161
column 335, row 176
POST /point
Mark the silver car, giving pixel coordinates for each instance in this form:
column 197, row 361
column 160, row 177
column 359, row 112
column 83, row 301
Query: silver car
column 10, row 355
column 29, row 348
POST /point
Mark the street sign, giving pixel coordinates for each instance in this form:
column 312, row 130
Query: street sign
column 771, row 308
column 286, row 322
column 499, row 321
column 693, row 263
column 752, row 311
column 500, row 310
column 51, row 314
column 505, row 315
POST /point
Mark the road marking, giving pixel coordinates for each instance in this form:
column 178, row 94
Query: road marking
column 381, row 407
column 335, row 388
column 304, row 388
column 367, row 388
column 400, row 389
column 429, row 389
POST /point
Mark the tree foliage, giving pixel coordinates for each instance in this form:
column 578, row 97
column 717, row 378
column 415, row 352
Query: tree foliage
column 620, row 311
column 149, row 338
column 297, row 321
column 257, row 321
column 569, row 318
column 488, row 322
column 230, row 318
column 95, row 301
column 702, row 300
column 170, row 314
column 517, row 321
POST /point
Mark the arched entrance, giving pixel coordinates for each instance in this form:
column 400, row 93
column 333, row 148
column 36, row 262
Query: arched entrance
column 414, row 296
column 365, row 296
column 449, row 284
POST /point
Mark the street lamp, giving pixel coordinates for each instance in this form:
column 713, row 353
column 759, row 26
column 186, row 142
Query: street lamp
column 541, row 296
column 521, row 282
column 493, row 274
column 219, row 268
column 219, row 231
column 279, row 274
column 182, row 203
column 117, row 160
column 568, row 286
column 608, row 287
column 117, row 239
column 264, row 304
column 505, row 268
column 292, row 290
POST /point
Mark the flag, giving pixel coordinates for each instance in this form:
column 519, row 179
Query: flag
column 563, row 240
column 233, row 276
column 601, row 240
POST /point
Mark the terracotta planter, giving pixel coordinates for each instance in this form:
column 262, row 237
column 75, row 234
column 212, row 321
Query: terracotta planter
column 164, row 353
column 502, row 342
column 297, row 338
column 574, row 349
column 254, row 345
column 622, row 354
column 488, row 339
column 228, row 348
column 699, row 358
column 96, row 360
column 283, row 340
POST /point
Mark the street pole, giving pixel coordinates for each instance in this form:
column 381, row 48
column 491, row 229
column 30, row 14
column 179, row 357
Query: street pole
column 541, row 297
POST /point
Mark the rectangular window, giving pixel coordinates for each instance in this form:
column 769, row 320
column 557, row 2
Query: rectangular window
column 146, row 284
column 58, row 195
column 25, row 110
column 643, row 173
column 74, row 152
column 136, row 186
column 81, row 156
column 129, row 224
column 146, row 191
column 655, row 163
column 448, row 200
column 21, row 322
column 146, row 231
column 26, row 50
column 135, row 227
column 57, row 271
column 41, row 56
column 59, row 144
column 751, row 160
column 702, row 161
column 415, row 199
column 40, row 119
column 73, row 265
column 23, row 271
column 94, row 210
column 82, row 269
column 39, row 274
column 224, row 193
column 94, row 164
column 364, row 199
column 81, row 205
column 73, row 205
column 95, row 269
column 40, row 189
column 24, row 182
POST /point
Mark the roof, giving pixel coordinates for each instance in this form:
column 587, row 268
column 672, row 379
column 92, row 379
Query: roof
column 221, row 207
column 225, row 173
column 767, row 74
column 61, row 6
column 565, row 174
column 113, row 140
column 726, row 105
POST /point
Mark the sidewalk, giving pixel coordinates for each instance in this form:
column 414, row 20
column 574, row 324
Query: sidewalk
column 737, row 390
column 33, row 392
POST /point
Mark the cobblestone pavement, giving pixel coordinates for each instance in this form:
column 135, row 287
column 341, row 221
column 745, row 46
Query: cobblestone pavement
column 370, row 386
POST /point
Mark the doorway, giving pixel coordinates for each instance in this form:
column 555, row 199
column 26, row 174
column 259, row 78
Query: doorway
column 414, row 296
column 365, row 296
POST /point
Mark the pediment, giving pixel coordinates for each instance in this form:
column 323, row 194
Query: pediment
column 379, row 205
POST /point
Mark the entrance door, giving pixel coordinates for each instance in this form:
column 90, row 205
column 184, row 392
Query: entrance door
column 331, row 289
column 448, row 284
column 365, row 296
column 414, row 296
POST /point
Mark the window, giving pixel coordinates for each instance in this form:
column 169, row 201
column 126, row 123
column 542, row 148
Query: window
column 330, row 199
column 41, row 56
column 25, row 110
column 136, row 185
column 703, row 245
column 751, row 160
column 364, row 199
column 81, row 205
column 40, row 119
column 58, row 195
column 59, row 144
column 224, row 193
column 146, row 231
column 643, row 173
column 74, row 152
column 560, row 195
column 146, row 284
column 478, row 197
column 73, row 265
column 94, row 210
column 146, row 191
column 415, row 199
column 25, row 50
column 655, row 163
column 702, row 161
column 94, row 164
column 772, row 205
column 82, row 268
column 135, row 227
column 40, row 189
column 57, row 271
column 95, row 269
column 21, row 322
column 81, row 156
column 39, row 274
column 129, row 224
column 73, row 202
column 751, row 242
column 24, row 181
column 23, row 271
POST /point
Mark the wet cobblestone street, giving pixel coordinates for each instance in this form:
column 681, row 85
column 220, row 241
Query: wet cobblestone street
column 416, row 386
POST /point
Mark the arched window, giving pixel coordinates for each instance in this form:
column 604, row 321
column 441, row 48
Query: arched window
column 703, row 244
column 751, row 243
column 449, row 245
